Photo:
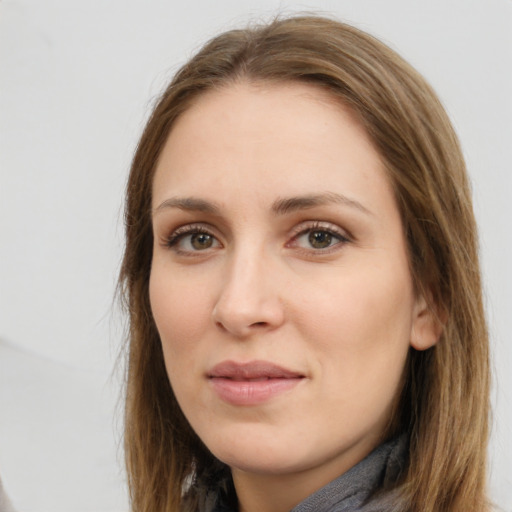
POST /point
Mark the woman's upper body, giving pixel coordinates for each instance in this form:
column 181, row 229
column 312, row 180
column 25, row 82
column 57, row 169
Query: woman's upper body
column 278, row 364
column 301, row 273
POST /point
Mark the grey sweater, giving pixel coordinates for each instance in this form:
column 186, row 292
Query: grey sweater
column 356, row 490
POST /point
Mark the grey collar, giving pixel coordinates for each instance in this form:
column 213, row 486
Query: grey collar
column 364, row 488
column 353, row 490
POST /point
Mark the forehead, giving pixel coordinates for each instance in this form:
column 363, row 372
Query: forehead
column 253, row 105
column 267, row 137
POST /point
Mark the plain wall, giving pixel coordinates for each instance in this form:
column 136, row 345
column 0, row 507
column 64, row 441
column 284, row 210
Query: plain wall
column 77, row 80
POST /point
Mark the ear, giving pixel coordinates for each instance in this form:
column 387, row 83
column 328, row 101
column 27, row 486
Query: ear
column 428, row 324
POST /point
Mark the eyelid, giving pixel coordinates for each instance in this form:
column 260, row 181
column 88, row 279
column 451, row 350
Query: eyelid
column 173, row 238
column 316, row 225
column 312, row 225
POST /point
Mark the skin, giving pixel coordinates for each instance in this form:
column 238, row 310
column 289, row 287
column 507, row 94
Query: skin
column 343, row 315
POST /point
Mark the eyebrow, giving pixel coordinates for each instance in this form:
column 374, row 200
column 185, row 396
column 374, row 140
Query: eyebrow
column 191, row 204
column 292, row 204
column 280, row 206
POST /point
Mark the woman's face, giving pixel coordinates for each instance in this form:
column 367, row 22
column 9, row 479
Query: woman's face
column 280, row 283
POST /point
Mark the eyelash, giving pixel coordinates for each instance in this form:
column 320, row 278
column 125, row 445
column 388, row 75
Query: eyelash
column 317, row 226
column 321, row 227
column 179, row 234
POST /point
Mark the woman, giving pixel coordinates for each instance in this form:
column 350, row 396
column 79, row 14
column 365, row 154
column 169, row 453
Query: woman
column 301, row 272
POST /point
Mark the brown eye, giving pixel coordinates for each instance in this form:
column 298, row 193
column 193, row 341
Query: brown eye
column 320, row 239
column 191, row 239
column 201, row 241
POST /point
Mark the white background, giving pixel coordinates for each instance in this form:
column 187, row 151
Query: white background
column 77, row 79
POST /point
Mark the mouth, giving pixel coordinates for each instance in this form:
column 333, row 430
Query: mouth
column 251, row 383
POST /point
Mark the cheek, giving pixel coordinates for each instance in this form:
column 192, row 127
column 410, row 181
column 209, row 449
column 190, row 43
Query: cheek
column 362, row 346
column 361, row 324
column 180, row 314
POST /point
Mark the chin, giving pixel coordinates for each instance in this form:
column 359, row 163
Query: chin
column 251, row 456
column 275, row 456
column 263, row 464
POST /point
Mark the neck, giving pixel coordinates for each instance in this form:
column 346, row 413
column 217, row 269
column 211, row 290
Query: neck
column 260, row 493
column 270, row 492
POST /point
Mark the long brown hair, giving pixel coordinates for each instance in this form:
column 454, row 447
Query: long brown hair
column 444, row 403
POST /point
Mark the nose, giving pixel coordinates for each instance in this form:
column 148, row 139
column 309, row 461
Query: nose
column 249, row 300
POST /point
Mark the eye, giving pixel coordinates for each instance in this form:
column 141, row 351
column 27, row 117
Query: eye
column 318, row 238
column 190, row 239
column 201, row 241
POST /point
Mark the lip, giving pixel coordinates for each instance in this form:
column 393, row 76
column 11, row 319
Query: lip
column 251, row 383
